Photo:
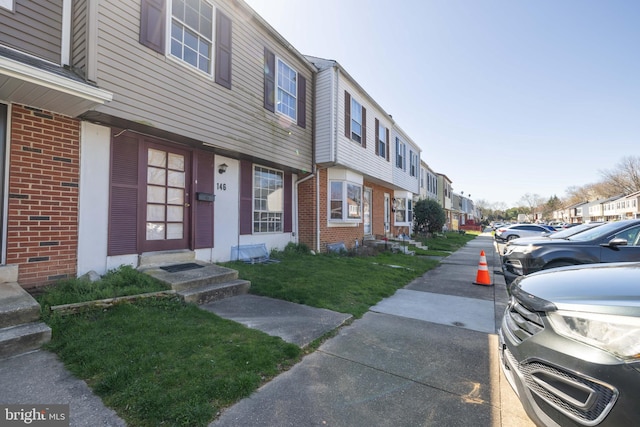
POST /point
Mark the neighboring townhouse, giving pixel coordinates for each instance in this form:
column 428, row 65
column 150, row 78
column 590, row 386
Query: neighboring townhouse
column 428, row 182
column 364, row 180
column 445, row 195
column 188, row 128
column 629, row 206
column 40, row 98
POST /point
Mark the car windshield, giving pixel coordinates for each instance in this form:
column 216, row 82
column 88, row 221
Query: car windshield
column 596, row 233
column 573, row 230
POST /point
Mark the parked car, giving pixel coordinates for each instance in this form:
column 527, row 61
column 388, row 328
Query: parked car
column 611, row 242
column 552, row 235
column 570, row 345
column 516, row 231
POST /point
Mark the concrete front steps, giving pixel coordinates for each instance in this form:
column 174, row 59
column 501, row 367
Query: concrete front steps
column 394, row 244
column 21, row 330
column 198, row 282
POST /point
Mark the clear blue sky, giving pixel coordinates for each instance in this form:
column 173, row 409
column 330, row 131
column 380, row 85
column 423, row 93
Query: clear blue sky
column 505, row 97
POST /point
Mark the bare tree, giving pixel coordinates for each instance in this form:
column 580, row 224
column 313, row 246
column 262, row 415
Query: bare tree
column 625, row 176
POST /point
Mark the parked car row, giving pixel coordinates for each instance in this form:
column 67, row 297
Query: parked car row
column 570, row 336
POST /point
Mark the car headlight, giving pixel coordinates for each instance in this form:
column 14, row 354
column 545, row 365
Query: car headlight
column 619, row 335
column 522, row 249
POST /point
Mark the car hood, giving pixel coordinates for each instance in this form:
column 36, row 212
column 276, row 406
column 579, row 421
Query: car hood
column 612, row 288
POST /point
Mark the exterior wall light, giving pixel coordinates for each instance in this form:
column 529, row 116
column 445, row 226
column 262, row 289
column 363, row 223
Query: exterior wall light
column 222, row 168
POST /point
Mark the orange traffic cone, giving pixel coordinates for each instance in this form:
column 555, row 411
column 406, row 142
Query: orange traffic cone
column 482, row 278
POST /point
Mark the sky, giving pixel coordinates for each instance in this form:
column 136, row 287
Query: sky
column 506, row 98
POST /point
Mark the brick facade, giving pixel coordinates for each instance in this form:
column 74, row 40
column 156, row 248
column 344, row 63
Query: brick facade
column 348, row 235
column 42, row 234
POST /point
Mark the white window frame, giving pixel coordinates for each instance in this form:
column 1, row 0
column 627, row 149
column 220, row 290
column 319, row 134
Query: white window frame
column 210, row 39
column 413, row 164
column 281, row 90
column 382, row 141
column 350, row 212
column 266, row 219
column 356, row 108
column 401, row 154
column 8, row 4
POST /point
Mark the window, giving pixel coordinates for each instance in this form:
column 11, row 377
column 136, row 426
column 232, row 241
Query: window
column 345, row 194
column 7, row 4
column 356, row 121
column 287, row 90
column 192, row 33
column 382, row 141
column 413, row 163
column 401, row 153
column 400, row 206
column 268, row 200
column 421, row 178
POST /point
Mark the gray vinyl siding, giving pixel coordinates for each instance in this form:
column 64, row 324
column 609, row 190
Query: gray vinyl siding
column 79, row 36
column 34, row 27
column 402, row 178
column 325, row 112
column 164, row 93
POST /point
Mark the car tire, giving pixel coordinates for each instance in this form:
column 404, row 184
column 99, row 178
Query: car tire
column 511, row 237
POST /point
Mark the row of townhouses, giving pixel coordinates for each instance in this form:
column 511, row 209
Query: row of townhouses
column 139, row 126
column 609, row 209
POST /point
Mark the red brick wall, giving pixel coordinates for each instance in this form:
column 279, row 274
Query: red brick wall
column 307, row 213
column 42, row 235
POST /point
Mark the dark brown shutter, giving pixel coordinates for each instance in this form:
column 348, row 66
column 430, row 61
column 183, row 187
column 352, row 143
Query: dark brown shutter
column 364, row 127
column 246, row 197
column 152, row 24
column 302, row 101
column 288, row 204
column 269, row 80
column 204, row 210
column 123, row 206
column 347, row 114
column 388, row 144
column 377, row 141
column 223, row 49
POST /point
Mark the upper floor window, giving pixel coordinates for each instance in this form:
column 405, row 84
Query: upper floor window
column 268, row 200
column 346, row 201
column 192, row 33
column 184, row 29
column 413, row 163
column 421, row 178
column 382, row 141
column 287, row 90
column 7, row 4
column 356, row 121
column 401, row 154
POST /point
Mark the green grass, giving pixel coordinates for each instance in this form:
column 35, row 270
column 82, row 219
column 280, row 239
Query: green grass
column 163, row 362
column 159, row 361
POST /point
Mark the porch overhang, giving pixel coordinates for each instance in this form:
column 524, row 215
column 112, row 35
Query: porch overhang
column 39, row 84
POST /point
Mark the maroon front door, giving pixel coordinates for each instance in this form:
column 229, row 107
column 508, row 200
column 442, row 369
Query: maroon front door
column 166, row 198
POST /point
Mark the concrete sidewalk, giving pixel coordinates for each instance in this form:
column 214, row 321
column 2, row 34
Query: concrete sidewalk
column 425, row 356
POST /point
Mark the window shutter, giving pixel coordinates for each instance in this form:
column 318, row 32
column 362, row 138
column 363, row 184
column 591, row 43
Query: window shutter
column 364, row 127
column 123, row 206
column 204, row 210
column 152, row 24
column 246, row 197
column 388, row 144
column 377, row 142
column 302, row 101
column 347, row 114
column 269, row 80
column 288, row 204
column 223, row 49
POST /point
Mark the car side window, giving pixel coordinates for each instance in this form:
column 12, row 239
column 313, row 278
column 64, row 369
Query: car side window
column 631, row 235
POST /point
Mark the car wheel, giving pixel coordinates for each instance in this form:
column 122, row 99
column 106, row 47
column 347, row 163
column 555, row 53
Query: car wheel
column 511, row 237
column 557, row 264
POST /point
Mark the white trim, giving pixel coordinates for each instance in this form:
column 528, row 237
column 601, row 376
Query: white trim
column 65, row 49
column 42, row 78
column 4, row 222
column 8, row 4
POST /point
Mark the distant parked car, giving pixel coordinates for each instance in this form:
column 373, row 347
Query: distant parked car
column 510, row 232
column 568, row 232
column 570, row 344
column 611, row 242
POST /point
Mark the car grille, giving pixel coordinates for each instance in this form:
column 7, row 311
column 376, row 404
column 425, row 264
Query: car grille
column 521, row 322
column 579, row 398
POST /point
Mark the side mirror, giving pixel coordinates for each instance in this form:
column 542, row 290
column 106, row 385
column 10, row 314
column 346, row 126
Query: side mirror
column 614, row 243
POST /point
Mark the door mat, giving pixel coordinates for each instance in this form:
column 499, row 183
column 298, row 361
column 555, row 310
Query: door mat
column 175, row 268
